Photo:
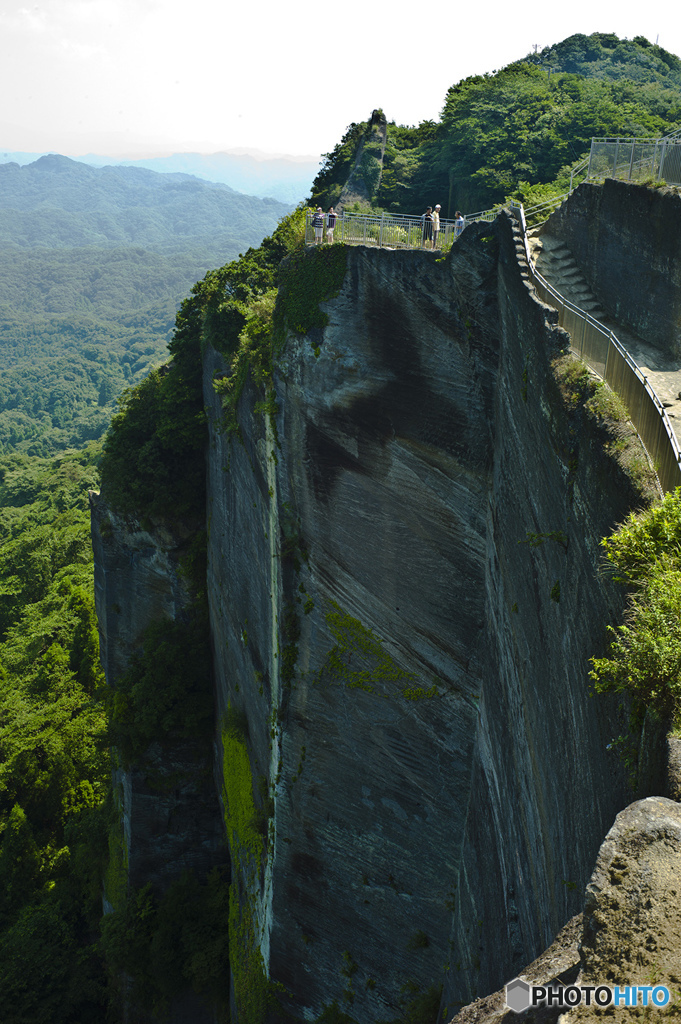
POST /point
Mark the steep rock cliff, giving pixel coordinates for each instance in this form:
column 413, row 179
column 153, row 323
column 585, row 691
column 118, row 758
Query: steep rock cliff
column 544, row 786
column 336, row 564
column 404, row 594
column 365, row 177
column 170, row 818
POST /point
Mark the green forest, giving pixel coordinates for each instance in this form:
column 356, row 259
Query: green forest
column 94, row 263
column 91, row 277
column 514, row 132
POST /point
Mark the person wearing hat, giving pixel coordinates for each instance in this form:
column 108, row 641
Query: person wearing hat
column 436, row 224
column 318, row 225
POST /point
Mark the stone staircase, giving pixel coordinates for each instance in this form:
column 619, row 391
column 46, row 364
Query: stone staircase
column 554, row 261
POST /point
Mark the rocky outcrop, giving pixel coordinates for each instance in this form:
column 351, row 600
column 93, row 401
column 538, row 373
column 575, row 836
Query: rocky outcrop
column 632, row 912
column 365, row 176
column 628, row 933
column 404, row 595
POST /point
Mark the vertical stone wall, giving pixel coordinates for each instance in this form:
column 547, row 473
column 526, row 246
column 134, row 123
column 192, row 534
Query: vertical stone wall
column 374, row 596
column 545, row 786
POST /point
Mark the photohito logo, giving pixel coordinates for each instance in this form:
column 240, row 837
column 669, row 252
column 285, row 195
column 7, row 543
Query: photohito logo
column 520, row 996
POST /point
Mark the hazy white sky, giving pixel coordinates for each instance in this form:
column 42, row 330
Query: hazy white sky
column 139, row 77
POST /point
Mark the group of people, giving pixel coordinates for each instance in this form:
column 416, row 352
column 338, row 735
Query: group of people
column 431, row 225
column 318, row 218
column 430, row 219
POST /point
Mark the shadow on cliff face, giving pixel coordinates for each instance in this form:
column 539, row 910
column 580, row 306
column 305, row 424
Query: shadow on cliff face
column 409, row 341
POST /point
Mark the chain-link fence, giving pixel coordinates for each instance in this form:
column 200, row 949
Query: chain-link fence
column 636, row 159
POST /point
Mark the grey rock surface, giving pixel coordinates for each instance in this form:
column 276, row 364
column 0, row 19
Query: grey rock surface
column 632, row 910
column 169, row 808
column 365, row 176
column 641, row 323
column 424, row 542
column 136, row 582
column 559, row 964
column 540, row 749
column 627, row 241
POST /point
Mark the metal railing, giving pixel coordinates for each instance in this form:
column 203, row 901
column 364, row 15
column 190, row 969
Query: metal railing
column 601, row 350
column 392, row 230
column 636, row 159
column 580, row 169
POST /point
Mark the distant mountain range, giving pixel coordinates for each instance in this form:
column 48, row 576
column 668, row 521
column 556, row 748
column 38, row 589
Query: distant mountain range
column 286, row 178
column 93, row 265
column 58, row 202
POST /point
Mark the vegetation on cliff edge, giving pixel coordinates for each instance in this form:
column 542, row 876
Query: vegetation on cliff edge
column 644, row 658
column 171, row 943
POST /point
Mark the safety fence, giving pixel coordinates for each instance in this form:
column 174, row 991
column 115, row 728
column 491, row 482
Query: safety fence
column 603, row 353
column 391, row 230
column 636, row 159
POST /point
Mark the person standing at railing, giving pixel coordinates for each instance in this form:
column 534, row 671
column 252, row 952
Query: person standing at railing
column 331, row 219
column 436, row 224
column 318, row 225
column 459, row 223
column 427, row 219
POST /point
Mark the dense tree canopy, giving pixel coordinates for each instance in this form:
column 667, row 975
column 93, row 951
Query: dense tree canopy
column 526, row 123
column 54, row 766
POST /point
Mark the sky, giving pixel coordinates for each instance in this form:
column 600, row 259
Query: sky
column 133, row 78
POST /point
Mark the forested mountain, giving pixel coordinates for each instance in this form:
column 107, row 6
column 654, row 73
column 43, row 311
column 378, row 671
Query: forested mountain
column 57, row 202
column 54, row 763
column 285, row 178
column 520, row 127
column 604, row 55
column 93, row 265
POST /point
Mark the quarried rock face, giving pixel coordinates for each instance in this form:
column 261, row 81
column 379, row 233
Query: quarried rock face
column 404, row 595
column 346, row 578
column 365, row 176
column 544, row 787
column 137, row 582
